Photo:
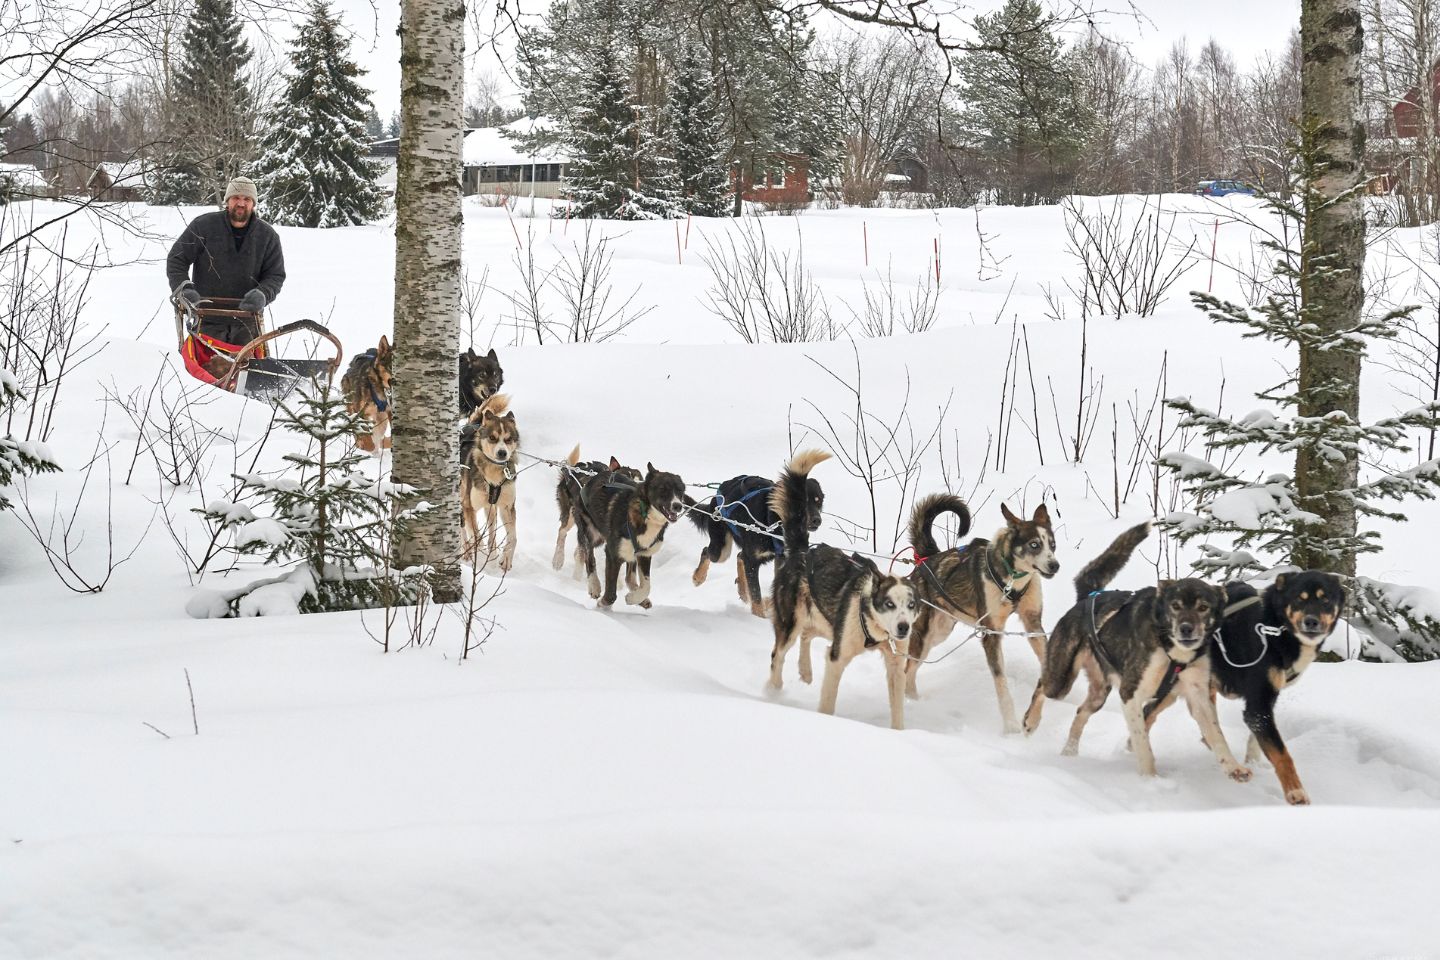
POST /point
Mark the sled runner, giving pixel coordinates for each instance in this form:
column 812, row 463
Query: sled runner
column 247, row 368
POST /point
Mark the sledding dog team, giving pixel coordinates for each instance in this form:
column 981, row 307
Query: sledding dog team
column 1180, row 638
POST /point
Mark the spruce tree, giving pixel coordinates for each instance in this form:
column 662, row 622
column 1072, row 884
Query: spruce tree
column 212, row 123
column 1269, row 521
column 314, row 171
column 18, row 457
column 323, row 512
column 697, row 132
column 617, row 169
column 1022, row 112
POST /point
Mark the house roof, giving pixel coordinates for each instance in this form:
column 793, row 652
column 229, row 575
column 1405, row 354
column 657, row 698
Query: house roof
column 488, row 146
column 127, row 173
column 22, row 175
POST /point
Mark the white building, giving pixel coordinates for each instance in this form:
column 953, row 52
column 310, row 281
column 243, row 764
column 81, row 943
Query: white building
column 495, row 163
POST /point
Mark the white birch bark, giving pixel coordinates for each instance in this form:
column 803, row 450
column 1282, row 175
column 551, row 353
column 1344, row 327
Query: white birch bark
column 427, row 282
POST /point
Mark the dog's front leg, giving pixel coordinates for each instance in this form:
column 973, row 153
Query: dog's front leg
column 1134, row 710
column 895, row 680
column 830, row 686
column 612, row 576
column 995, row 658
column 641, row 592
column 1202, row 708
column 508, row 511
column 1032, row 615
column 1260, row 718
column 585, row 556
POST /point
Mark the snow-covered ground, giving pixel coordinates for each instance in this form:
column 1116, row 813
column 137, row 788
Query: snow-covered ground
column 620, row 784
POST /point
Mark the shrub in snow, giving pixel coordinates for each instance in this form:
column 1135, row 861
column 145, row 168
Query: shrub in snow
column 1271, row 521
column 324, row 513
column 18, row 458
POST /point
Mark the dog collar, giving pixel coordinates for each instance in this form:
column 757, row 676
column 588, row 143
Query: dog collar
column 870, row 640
column 1007, row 588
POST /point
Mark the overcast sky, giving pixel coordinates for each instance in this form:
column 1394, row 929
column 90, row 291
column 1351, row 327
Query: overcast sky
column 1247, row 28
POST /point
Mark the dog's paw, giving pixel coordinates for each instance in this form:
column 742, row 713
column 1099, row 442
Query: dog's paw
column 557, row 562
column 645, row 604
column 1012, row 728
column 595, row 591
column 759, row 610
column 1071, row 749
column 698, row 577
column 1297, row 797
column 1239, row 774
column 604, row 604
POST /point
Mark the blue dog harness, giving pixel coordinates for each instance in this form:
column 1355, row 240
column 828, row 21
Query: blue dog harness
column 726, row 512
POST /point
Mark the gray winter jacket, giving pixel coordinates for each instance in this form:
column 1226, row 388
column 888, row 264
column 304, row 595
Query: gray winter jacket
column 220, row 269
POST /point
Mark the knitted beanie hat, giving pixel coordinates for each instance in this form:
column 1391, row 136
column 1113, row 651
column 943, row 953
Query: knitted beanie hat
column 241, row 187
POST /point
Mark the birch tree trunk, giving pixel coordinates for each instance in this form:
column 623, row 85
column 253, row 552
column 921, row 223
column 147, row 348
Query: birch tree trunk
column 427, row 283
column 1332, row 262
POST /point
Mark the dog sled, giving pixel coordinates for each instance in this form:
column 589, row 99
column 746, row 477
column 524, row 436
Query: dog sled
column 248, row 368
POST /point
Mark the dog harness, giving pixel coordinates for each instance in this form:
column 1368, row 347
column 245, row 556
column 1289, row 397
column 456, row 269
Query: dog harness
column 725, row 511
column 507, row 470
column 1007, row 588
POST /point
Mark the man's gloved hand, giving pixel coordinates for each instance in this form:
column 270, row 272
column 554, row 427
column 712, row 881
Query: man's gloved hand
column 254, row 301
column 190, row 293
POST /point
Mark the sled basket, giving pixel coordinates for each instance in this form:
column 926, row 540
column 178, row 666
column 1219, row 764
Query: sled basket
column 248, row 369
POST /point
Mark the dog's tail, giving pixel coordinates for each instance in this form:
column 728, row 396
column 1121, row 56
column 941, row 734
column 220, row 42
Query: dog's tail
column 574, row 457
column 922, row 518
column 790, row 489
column 496, row 403
column 1099, row 572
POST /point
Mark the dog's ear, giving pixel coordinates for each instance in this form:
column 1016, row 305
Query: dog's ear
column 510, row 416
column 469, row 353
column 650, row 468
column 384, row 349
column 491, row 355
column 615, row 464
column 1042, row 515
column 1010, row 518
column 1280, row 582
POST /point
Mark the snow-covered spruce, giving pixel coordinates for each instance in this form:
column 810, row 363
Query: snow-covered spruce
column 19, row 458
column 323, row 512
column 314, row 171
column 1273, row 521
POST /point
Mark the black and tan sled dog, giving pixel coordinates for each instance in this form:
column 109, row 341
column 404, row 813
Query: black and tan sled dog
column 489, row 446
column 740, row 515
column 981, row 583
column 568, row 498
column 821, row 591
column 629, row 520
column 366, row 388
column 1140, row 641
column 1264, row 644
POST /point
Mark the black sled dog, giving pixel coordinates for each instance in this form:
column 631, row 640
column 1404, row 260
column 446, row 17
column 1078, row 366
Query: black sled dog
column 739, row 515
column 629, row 520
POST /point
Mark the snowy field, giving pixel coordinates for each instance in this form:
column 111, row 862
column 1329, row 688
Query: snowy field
column 621, row 785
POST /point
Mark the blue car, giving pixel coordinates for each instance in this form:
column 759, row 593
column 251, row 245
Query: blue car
column 1223, row 188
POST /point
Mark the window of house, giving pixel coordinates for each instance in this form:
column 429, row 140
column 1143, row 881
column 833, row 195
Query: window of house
column 777, row 179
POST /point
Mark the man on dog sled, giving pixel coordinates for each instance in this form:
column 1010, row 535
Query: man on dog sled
column 235, row 255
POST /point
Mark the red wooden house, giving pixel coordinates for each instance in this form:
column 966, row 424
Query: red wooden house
column 786, row 183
